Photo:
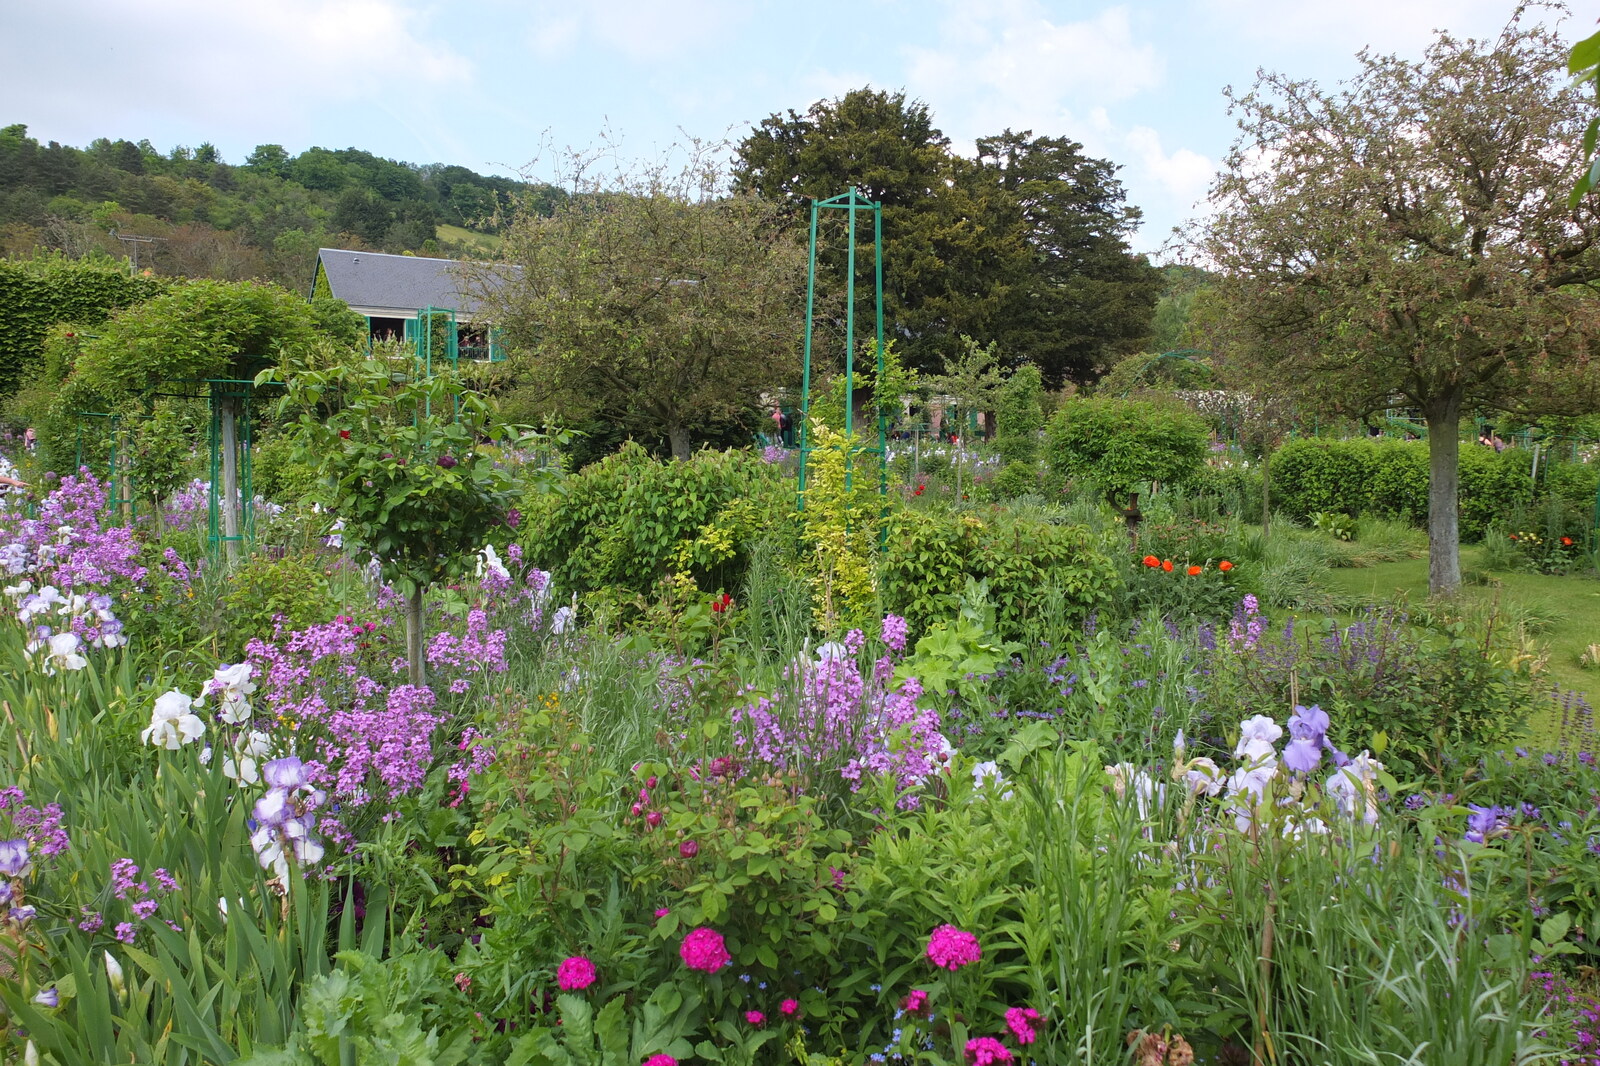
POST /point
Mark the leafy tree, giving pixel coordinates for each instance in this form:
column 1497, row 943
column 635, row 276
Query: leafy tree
column 1583, row 63
column 1080, row 296
column 199, row 330
column 951, row 237
column 1120, row 446
column 410, row 463
column 1169, row 326
column 973, row 381
column 1408, row 238
column 653, row 304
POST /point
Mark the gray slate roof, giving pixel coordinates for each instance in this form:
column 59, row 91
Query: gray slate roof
column 401, row 283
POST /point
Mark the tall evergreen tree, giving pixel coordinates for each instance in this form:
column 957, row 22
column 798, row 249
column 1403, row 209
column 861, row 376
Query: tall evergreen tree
column 1081, row 296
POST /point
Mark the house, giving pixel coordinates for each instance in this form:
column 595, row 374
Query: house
column 395, row 292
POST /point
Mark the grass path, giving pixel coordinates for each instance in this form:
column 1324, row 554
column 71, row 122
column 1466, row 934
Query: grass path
column 1562, row 613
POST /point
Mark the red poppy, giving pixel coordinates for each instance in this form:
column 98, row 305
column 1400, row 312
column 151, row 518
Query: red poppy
column 1194, row 571
column 1566, row 542
column 344, row 434
column 1151, row 561
column 1167, row 566
column 920, row 488
column 721, row 603
column 1513, row 536
column 1224, row 566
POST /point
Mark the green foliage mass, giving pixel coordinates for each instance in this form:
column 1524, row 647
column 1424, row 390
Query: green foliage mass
column 1032, row 568
column 619, row 525
column 1120, row 445
column 1390, row 479
column 203, row 329
column 409, row 463
column 1019, row 415
column 36, row 294
column 263, row 591
column 840, row 521
column 1025, row 245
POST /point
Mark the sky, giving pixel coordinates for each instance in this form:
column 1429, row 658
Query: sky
column 501, row 85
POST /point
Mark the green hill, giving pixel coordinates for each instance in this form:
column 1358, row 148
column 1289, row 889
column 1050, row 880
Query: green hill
column 263, row 217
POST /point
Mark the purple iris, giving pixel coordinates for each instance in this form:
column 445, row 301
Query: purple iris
column 14, row 861
column 286, row 773
column 1308, row 732
column 1302, row 755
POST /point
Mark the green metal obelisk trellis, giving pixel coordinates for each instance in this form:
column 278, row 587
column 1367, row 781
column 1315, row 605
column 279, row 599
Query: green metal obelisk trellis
column 853, row 203
column 230, row 502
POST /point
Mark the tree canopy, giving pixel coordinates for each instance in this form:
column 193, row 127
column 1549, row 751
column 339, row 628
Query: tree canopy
column 1025, row 244
column 654, row 305
column 1407, row 240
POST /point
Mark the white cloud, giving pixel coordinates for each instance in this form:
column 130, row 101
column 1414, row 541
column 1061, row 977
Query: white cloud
column 643, row 30
column 220, row 66
column 1402, row 27
column 1009, row 65
column 1183, row 175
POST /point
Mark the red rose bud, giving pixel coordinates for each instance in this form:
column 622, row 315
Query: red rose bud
column 650, row 782
column 688, row 849
column 344, row 434
column 653, row 819
column 447, row 461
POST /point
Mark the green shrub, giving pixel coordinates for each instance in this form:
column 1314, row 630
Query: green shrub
column 1017, row 478
column 1309, row 476
column 263, row 589
column 1019, row 415
column 618, row 525
column 1028, row 564
column 37, row 294
column 1120, row 446
column 275, row 472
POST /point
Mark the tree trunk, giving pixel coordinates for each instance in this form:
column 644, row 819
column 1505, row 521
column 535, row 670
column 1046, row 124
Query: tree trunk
column 415, row 671
column 678, row 436
column 1266, row 492
column 1443, row 418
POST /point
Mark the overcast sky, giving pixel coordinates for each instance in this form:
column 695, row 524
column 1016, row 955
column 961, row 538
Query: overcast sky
column 483, row 83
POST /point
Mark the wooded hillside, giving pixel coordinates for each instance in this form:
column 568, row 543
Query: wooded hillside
column 262, row 217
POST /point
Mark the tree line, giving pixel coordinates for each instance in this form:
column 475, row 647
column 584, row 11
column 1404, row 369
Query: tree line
column 262, row 218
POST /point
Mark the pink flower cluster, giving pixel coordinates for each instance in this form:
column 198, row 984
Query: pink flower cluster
column 950, row 948
column 575, row 973
column 704, row 950
column 1023, row 1023
column 986, row 1050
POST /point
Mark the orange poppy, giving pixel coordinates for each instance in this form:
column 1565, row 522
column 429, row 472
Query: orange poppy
column 1566, row 542
column 1194, row 571
column 1151, row 561
column 1167, row 566
column 1224, row 566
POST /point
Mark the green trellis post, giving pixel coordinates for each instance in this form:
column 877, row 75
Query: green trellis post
column 852, row 203
column 119, row 483
column 230, row 503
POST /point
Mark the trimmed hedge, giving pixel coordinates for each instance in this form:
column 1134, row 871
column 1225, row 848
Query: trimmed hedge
column 1390, row 479
column 35, row 294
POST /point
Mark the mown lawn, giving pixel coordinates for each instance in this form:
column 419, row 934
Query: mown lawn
column 1562, row 613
